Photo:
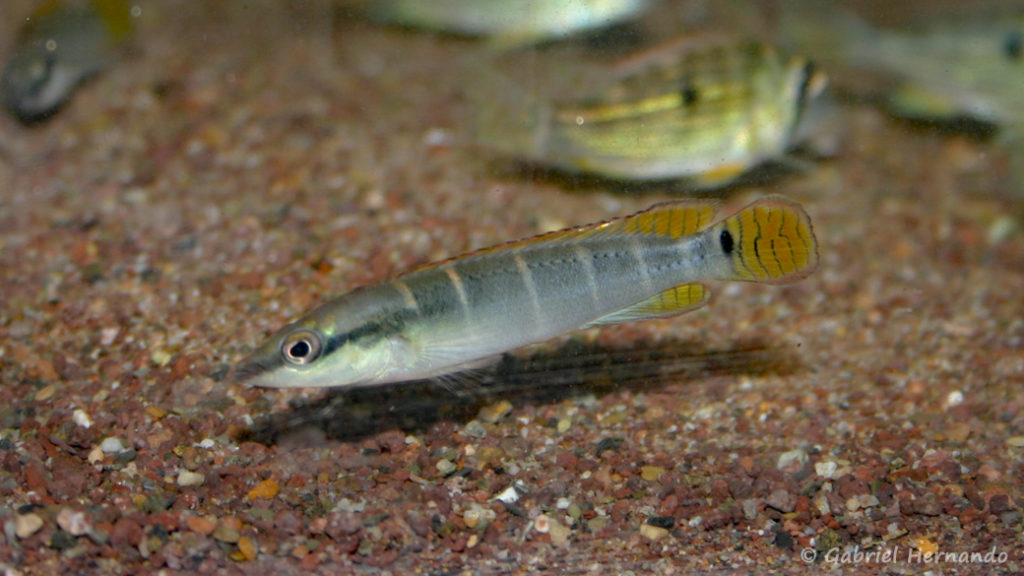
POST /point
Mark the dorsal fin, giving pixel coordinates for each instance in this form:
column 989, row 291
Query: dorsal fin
column 670, row 219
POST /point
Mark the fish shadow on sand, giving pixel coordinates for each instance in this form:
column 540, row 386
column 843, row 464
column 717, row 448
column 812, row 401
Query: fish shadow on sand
column 574, row 369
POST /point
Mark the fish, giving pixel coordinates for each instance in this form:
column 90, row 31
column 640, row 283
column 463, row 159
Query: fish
column 464, row 312
column 705, row 110
column 63, row 45
column 972, row 67
column 509, row 23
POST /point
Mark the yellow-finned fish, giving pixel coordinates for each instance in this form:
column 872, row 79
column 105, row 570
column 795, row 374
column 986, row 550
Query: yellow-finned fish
column 705, row 109
column 62, row 45
column 454, row 314
column 509, row 22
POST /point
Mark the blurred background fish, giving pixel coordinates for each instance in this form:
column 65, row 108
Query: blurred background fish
column 509, row 23
column 62, row 44
column 706, row 110
column 960, row 72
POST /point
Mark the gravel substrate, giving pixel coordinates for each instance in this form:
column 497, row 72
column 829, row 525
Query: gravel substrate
column 245, row 162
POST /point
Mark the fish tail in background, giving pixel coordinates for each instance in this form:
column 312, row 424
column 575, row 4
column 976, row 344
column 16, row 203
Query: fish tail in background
column 770, row 241
column 511, row 117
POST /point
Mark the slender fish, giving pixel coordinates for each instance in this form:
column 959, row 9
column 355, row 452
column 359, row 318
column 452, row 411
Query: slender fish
column 62, row 45
column 457, row 313
column 704, row 109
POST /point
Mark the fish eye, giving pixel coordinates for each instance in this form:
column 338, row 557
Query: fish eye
column 301, row 347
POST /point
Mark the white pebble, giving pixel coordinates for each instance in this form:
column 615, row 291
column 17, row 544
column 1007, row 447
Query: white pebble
column 108, row 335
column 112, row 445
column 206, row 444
column 787, row 458
column 508, row 496
column 26, row 525
column 955, row 398
column 189, row 478
column 73, row 521
column 826, row 469
column 563, row 503
column 81, row 418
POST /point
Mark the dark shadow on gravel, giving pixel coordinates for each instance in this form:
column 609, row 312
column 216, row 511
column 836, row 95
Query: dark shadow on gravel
column 571, row 370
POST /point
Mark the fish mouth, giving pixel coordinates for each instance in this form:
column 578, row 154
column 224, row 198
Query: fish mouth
column 248, row 373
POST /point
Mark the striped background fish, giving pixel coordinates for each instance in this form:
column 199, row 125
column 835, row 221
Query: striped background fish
column 457, row 313
column 706, row 109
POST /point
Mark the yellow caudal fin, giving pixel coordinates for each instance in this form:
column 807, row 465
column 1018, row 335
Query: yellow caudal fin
column 771, row 241
column 671, row 302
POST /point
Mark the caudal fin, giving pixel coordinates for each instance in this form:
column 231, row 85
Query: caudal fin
column 769, row 241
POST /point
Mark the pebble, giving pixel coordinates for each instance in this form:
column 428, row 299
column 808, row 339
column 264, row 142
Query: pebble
column 478, row 517
column 787, row 458
column 489, row 454
column 73, row 521
column 652, row 532
column 228, row 530
column 494, row 413
column 826, row 469
column 112, row 445
column 542, row 524
column 954, row 398
column 190, row 478
column 558, row 532
column 266, row 489
column 45, row 393
column 750, row 509
column 81, row 417
column 651, row 473
column 508, row 495
column 445, row 467
column 247, row 548
column 1015, row 441
column 474, row 429
column 782, row 500
column 200, row 524
column 861, row 501
column 26, row 525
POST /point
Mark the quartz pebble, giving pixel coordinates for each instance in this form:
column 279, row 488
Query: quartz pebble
column 788, row 458
column 189, row 478
column 112, row 445
column 826, row 469
column 652, row 532
column 26, row 525
column 73, row 521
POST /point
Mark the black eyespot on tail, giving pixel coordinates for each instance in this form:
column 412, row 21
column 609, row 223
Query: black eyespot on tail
column 688, row 93
column 727, row 243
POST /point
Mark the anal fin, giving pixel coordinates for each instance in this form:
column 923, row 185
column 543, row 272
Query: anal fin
column 669, row 303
